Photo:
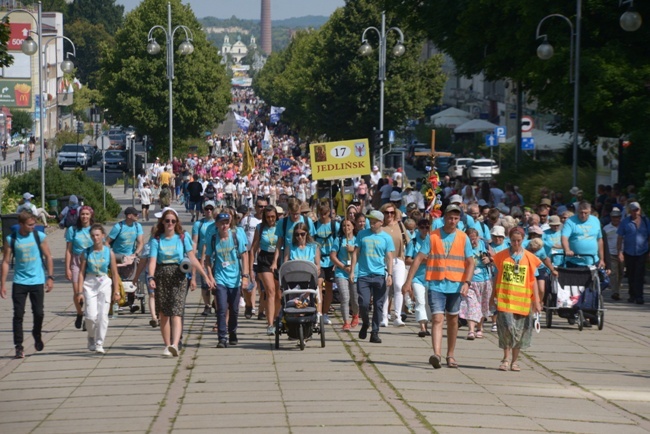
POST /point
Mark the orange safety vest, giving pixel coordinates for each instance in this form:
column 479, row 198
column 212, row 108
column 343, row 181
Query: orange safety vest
column 515, row 291
column 450, row 266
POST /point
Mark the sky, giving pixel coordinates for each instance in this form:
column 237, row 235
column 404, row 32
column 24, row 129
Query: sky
column 250, row 9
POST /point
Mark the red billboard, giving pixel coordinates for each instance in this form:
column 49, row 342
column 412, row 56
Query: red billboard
column 19, row 32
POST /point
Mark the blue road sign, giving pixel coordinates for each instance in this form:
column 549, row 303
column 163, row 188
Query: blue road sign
column 527, row 143
column 500, row 132
column 285, row 164
column 391, row 136
column 491, row 140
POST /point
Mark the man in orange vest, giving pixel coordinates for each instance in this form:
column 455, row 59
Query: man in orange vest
column 450, row 267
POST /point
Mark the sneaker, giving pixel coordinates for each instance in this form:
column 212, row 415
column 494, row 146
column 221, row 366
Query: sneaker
column 100, row 350
column 77, row 321
column 270, row 331
column 206, row 310
column 261, row 316
column 167, row 353
column 222, row 344
column 346, row 327
column 355, row 321
column 327, row 320
column 91, row 344
column 232, row 339
column 248, row 312
column 374, row 338
column 20, row 354
column 173, row 350
column 39, row 345
column 134, row 308
column 398, row 323
column 383, row 324
column 242, row 303
column 363, row 333
column 494, row 328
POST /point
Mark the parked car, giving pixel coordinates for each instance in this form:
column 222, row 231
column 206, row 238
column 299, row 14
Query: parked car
column 118, row 141
column 456, row 167
column 94, row 154
column 73, row 155
column 482, row 168
column 115, row 160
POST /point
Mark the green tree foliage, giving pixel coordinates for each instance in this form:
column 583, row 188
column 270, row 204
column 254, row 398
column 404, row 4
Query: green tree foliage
column 20, row 119
column 84, row 99
column 134, row 84
column 498, row 38
column 89, row 39
column 6, row 59
column 97, row 12
column 327, row 88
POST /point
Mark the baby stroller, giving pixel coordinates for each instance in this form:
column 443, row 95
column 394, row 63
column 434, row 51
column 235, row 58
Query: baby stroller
column 575, row 294
column 298, row 317
column 134, row 290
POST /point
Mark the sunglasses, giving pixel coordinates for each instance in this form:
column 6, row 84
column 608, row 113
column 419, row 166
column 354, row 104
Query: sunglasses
column 389, row 212
column 208, row 208
column 423, row 227
column 301, row 234
column 170, row 221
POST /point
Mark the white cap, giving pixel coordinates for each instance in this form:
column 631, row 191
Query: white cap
column 456, row 199
column 498, row 231
column 163, row 211
column 28, row 196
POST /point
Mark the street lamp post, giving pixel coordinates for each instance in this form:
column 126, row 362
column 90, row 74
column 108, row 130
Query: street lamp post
column 631, row 20
column 366, row 50
column 184, row 48
column 545, row 51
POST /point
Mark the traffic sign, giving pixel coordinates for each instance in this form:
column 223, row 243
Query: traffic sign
column 491, row 140
column 391, row 136
column 500, row 132
column 527, row 143
column 527, row 124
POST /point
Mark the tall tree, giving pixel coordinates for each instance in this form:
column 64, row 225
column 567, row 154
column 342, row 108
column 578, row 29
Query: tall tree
column 6, row 59
column 89, row 39
column 104, row 12
column 134, row 84
column 20, row 120
column 329, row 89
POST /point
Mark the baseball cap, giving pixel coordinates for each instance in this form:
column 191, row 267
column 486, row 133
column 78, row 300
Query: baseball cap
column 222, row 216
column 498, row 231
column 376, row 215
column 395, row 196
column 481, row 202
column 208, row 203
column 131, row 210
column 535, row 230
column 634, row 205
column 163, row 211
column 28, row 196
column 455, row 199
column 451, row 208
column 555, row 220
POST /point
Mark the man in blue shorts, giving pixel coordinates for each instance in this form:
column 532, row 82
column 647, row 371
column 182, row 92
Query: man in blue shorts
column 374, row 253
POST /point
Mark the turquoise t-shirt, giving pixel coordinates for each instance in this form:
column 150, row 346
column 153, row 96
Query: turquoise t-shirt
column 200, row 228
column 125, row 237
column 373, row 249
column 80, row 239
column 447, row 286
column 170, row 250
column 551, row 239
column 440, row 222
column 583, row 239
column 415, row 246
column 325, row 238
column 225, row 258
column 340, row 247
column 504, row 245
column 481, row 271
column 541, row 255
column 483, row 231
column 288, row 236
column 306, row 254
column 28, row 265
column 98, row 262
column 268, row 238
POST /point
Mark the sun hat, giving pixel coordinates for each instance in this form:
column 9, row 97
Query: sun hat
column 481, row 202
column 304, row 207
column 376, row 215
column 375, row 168
column 574, row 190
column 554, row 221
column 279, row 210
column 546, row 201
column 498, row 231
column 455, row 199
column 395, row 196
column 163, row 211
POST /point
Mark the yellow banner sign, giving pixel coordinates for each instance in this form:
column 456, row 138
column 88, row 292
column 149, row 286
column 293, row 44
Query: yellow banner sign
column 340, row 160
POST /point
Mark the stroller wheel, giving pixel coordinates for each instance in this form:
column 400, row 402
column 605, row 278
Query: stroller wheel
column 601, row 319
column 301, row 334
column 581, row 320
column 142, row 303
column 549, row 318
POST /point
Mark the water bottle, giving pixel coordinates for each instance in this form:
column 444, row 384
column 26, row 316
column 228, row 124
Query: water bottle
column 116, row 308
column 250, row 286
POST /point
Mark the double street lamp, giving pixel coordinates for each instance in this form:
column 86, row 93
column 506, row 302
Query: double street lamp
column 186, row 47
column 31, row 47
column 397, row 51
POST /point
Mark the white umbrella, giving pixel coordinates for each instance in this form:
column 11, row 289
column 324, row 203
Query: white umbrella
column 452, row 111
column 449, row 121
column 476, row 126
column 545, row 141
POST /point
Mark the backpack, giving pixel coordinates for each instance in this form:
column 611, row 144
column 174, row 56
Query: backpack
column 209, row 192
column 164, row 196
column 71, row 217
column 12, row 243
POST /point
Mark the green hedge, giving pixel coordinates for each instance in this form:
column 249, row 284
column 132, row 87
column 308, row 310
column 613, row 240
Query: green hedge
column 58, row 184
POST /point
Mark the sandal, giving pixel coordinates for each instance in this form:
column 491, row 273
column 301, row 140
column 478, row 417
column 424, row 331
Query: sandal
column 479, row 334
column 471, row 336
column 515, row 367
column 451, row 362
column 505, row 365
column 435, row 361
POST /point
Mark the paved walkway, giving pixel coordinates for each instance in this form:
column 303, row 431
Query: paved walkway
column 583, row 382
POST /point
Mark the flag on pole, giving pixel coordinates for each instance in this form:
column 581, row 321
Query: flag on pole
column 249, row 160
column 275, row 114
column 243, row 122
column 266, row 142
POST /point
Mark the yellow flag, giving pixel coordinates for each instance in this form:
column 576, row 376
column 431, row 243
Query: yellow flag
column 249, row 160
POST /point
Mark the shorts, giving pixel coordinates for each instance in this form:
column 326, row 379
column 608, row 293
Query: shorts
column 145, row 207
column 194, row 206
column 264, row 261
column 441, row 302
column 542, row 274
column 75, row 264
column 327, row 274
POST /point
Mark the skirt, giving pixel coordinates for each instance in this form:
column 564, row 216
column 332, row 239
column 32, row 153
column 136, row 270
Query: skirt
column 171, row 287
column 515, row 331
column 264, row 261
